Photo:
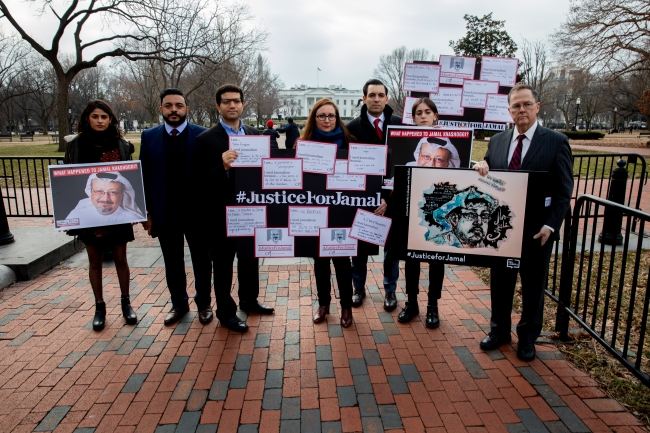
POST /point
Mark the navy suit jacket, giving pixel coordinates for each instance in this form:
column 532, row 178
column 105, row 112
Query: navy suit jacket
column 152, row 156
column 549, row 151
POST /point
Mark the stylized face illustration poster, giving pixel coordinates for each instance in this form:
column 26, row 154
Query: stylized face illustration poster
column 458, row 211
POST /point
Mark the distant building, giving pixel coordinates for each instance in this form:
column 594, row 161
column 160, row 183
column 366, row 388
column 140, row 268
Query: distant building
column 298, row 100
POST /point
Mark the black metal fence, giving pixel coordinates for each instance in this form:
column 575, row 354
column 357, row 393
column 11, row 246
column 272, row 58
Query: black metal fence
column 591, row 173
column 605, row 288
column 25, row 185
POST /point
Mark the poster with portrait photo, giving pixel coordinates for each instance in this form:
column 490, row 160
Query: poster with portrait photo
column 427, row 147
column 459, row 216
column 95, row 195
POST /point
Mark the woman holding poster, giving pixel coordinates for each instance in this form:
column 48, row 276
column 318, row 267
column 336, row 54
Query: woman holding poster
column 425, row 113
column 325, row 125
column 99, row 139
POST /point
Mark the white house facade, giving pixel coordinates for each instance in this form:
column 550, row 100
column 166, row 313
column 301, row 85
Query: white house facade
column 298, row 100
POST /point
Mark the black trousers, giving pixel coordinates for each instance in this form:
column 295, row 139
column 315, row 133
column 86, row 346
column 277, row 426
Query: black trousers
column 534, row 280
column 343, row 269
column 412, row 275
column 223, row 252
column 172, row 244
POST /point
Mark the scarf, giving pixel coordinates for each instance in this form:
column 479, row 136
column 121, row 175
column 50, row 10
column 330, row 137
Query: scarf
column 335, row 136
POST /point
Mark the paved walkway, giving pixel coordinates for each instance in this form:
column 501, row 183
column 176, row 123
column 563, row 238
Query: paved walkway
column 285, row 374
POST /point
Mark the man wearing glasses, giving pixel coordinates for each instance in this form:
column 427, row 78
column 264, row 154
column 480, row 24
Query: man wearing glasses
column 212, row 166
column 528, row 146
column 370, row 127
column 436, row 152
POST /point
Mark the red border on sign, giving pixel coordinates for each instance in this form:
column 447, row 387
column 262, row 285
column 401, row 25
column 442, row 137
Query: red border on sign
column 283, row 187
column 266, row 219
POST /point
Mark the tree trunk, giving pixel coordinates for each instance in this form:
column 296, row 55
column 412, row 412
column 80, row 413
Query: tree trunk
column 62, row 112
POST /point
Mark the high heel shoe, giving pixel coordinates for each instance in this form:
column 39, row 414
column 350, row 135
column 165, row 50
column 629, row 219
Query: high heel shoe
column 100, row 316
column 128, row 313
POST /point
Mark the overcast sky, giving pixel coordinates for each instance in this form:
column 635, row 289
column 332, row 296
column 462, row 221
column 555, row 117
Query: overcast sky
column 344, row 38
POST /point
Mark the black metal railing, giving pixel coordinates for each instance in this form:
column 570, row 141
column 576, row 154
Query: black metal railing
column 591, row 174
column 25, row 185
column 605, row 288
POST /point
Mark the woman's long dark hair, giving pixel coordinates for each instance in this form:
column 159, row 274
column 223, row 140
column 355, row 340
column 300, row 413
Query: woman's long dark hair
column 83, row 126
column 310, row 126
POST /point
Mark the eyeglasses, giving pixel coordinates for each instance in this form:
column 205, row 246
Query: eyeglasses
column 228, row 101
column 428, row 158
column 100, row 193
column 323, row 117
column 527, row 105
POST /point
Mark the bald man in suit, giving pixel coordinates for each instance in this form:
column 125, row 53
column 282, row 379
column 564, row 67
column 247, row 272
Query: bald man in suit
column 529, row 146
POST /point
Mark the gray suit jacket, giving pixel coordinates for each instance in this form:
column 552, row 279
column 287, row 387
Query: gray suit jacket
column 549, row 151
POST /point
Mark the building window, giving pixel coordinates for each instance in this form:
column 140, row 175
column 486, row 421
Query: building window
column 352, row 102
column 345, row 112
column 345, row 101
column 337, row 102
column 310, row 101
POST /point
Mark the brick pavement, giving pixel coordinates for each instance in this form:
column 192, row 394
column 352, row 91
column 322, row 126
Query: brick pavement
column 285, row 374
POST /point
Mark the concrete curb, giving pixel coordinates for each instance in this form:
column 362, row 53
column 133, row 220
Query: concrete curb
column 7, row 276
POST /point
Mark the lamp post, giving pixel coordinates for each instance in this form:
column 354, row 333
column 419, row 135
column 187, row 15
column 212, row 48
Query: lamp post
column 575, row 125
column 70, row 120
column 614, row 125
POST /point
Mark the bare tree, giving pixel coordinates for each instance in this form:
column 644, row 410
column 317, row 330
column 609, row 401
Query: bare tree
column 611, row 36
column 153, row 30
column 390, row 71
column 262, row 90
column 13, row 64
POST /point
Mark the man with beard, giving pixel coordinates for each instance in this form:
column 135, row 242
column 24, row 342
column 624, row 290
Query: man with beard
column 213, row 169
column 468, row 223
column 173, row 216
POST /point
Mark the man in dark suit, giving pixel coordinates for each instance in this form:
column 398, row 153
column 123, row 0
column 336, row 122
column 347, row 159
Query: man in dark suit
column 166, row 153
column 528, row 147
column 370, row 127
column 213, row 161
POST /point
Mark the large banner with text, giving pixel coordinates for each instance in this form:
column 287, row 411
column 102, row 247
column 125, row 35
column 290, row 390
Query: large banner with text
column 457, row 216
column 310, row 202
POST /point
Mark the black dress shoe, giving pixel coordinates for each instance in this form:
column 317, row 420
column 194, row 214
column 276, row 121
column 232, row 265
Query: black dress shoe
column 235, row 324
column 433, row 321
column 256, row 307
column 205, row 315
column 100, row 316
column 128, row 313
column 357, row 297
column 390, row 301
column 408, row 313
column 176, row 314
column 492, row 341
column 322, row 311
column 526, row 351
column 346, row 317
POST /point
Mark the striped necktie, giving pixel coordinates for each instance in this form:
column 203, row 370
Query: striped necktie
column 515, row 161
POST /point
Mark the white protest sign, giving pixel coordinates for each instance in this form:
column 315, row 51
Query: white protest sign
column 281, row 173
column 454, row 69
column 499, row 69
column 407, row 115
column 251, row 149
column 317, row 157
column 243, row 220
column 341, row 180
column 274, row 242
column 497, row 109
column 421, row 77
column 306, row 221
column 475, row 92
column 336, row 242
column 367, row 159
column 448, row 101
column 370, row 228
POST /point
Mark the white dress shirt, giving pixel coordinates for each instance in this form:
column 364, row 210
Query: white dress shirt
column 525, row 144
column 179, row 128
column 372, row 118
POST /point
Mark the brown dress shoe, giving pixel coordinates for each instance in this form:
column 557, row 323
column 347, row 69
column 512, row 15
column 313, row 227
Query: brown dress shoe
column 322, row 311
column 176, row 314
column 346, row 317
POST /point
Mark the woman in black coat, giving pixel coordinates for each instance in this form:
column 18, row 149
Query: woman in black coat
column 325, row 125
column 99, row 139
